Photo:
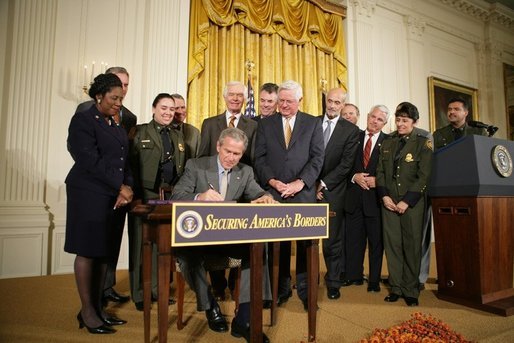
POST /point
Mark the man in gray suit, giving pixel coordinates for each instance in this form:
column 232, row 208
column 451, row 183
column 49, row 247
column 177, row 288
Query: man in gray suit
column 191, row 133
column 218, row 178
column 235, row 94
column 127, row 120
column 288, row 160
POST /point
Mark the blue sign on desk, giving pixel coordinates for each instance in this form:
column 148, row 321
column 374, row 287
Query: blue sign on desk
column 207, row 223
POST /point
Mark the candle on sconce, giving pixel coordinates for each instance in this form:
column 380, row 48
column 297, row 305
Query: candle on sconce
column 102, row 65
column 105, row 65
column 85, row 75
column 92, row 72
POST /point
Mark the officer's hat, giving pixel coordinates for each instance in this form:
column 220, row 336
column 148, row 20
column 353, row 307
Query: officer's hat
column 406, row 109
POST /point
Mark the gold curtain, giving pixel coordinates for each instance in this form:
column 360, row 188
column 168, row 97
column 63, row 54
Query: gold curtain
column 286, row 39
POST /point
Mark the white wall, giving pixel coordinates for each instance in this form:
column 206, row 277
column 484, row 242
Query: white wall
column 47, row 43
column 393, row 47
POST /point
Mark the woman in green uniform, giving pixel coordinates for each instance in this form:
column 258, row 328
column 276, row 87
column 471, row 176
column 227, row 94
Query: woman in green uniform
column 403, row 174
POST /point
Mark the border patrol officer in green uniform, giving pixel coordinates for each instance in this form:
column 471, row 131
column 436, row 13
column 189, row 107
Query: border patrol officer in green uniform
column 458, row 128
column 158, row 159
column 403, row 174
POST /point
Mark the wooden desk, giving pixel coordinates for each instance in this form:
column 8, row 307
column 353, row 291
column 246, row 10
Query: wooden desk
column 157, row 229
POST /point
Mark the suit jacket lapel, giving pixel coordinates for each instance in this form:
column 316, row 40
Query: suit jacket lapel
column 297, row 130
column 104, row 125
column 233, row 184
column 211, row 173
column 279, row 129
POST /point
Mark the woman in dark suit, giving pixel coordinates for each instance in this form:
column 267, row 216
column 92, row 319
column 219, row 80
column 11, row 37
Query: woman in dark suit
column 98, row 184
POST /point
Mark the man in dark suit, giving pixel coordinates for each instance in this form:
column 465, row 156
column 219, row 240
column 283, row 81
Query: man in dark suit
column 127, row 120
column 191, row 133
column 268, row 101
column 234, row 93
column 288, row 160
column 362, row 206
column 340, row 141
column 200, row 177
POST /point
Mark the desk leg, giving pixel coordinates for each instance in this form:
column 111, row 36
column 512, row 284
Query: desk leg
column 147, row 278
column 164, row 270
column 274, row 280
column 256, row 292
column 312, row 274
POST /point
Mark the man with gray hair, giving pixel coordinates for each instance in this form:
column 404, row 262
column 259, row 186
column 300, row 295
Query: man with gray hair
column 235, row 94
column 362, row 206
column 288, row 159
column 218, row 178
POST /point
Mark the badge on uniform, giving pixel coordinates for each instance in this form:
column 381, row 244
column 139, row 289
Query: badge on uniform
column 409, row 158
column 180, row 147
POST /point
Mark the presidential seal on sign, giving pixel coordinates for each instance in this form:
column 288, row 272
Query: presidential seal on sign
column 502, row 161
column 189, row 224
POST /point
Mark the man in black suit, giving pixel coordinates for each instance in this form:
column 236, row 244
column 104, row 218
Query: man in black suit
column 340, row 140
column 268, row 100
column 288, row 160
column 235, row 93
column 191, row 133
column 362, row 206
column 127, row 120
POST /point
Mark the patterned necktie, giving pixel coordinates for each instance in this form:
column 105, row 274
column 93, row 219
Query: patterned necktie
column 287, row 132
column 224, row 183
column 232, row 121
column 367, row 151
column 326, row 133
column 167, row 165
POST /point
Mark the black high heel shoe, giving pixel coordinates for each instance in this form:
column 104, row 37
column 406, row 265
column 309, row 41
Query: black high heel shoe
column 113, row 321
column 102, row 329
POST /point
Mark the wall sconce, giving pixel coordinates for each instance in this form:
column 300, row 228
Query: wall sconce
column 88, row 79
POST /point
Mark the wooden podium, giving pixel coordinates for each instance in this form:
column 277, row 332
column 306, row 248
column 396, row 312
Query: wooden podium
column 473, row 209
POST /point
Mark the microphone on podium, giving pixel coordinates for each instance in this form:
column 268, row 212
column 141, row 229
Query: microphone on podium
column 491, row 129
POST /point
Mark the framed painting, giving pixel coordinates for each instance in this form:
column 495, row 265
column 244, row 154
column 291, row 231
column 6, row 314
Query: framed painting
column 440, row 92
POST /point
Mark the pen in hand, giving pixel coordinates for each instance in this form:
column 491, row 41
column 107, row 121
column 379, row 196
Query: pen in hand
column 212, row 187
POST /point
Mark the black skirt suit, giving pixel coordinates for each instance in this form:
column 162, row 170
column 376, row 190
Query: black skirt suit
column 100, row 151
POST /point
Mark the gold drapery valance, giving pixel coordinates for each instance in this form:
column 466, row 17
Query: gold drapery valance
column 286, row 39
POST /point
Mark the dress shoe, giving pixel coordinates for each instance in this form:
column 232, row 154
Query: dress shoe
column 411, row 301
column 282, row 299
column 333, row 293
column 216, row 320
column 306, row 305
column 112, row 295
column 111, row 321
column 102, row 329
column 391, row 298
column 171, row 301
column 140, row 306
column 347, row 283
column 266, row 304
column 373, row 287
column 238, row 330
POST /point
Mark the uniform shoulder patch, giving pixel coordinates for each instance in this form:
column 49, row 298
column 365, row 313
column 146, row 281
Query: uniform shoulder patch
column 428, row 144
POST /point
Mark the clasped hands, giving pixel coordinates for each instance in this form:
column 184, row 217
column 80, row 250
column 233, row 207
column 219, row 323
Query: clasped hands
column 365, row 181
column 287, row 190
column 399, row 208
column 124, row 197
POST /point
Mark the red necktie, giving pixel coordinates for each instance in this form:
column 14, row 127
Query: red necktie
column 367, row 151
